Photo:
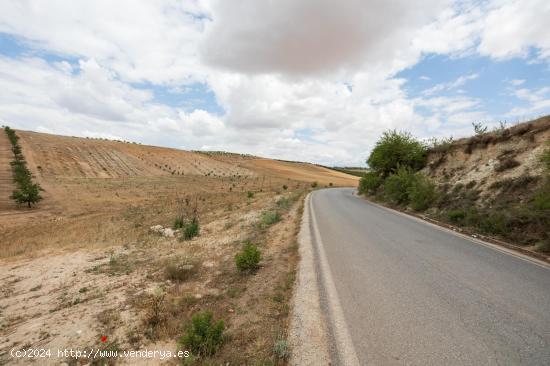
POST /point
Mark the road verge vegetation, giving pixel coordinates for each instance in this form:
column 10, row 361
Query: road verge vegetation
column 397, row 177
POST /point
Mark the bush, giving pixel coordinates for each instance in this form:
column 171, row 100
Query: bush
column 369, row 183
column 396, row 186
column 422, row 193
column 456, row 216
column 248, row 259
column 281, row 349
column 314, row 185
column 285, row 187
column 203, row 337
column 191, row 229
column 493, row 223
column 506, row 164
column 269, row 218
column 541, row 198
column 250, row 194
column 394, row 150
column 545, row 158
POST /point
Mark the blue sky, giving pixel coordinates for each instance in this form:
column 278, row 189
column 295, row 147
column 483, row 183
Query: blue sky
column 264, row 78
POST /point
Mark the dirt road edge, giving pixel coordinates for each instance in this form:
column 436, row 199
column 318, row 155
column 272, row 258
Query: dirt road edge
column 308, row 336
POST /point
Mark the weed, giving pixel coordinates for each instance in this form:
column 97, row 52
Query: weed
column 191, row 229
column 283, row 203
column 281, row 350
column 180, row 272
column 269, row 218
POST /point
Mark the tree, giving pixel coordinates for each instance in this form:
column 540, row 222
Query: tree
column 397, row 149
column 28, row 193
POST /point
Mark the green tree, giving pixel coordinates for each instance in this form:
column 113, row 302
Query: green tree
column 397, row 149
column 28, row 193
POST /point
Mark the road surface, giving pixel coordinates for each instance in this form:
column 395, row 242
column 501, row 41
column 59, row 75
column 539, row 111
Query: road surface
column 414, row 294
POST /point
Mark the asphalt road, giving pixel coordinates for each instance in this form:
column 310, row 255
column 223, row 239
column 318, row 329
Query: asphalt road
column 413, row 294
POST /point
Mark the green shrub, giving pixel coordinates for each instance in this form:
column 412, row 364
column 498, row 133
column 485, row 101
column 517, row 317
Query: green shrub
column 248, row 259
column 285, row 187
column 396, row 186
column 191, row 229
column 493, row 223
column 203, row 337
column 178, row 223
column 422, row 193
column 394, row 150
column 545, row 158
column 314, row 185
column 281, row 349
column 269, row 218
column 456, row 216
column 541, row 198
column 250, row 194
column 369, row 183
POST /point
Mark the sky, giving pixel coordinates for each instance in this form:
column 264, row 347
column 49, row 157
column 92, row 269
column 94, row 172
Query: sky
column 308, row 80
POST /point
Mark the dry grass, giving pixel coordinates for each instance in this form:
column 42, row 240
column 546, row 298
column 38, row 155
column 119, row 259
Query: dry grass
column 84, row 263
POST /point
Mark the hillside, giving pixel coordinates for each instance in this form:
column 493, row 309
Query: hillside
column 91, row 250
column 80, row 174
column 483, row 161
column 496, row 183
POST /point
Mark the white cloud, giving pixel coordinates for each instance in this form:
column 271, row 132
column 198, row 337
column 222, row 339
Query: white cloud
column 517, row 82
column 512, row 27
column 141, row 41
column 458, row 82
column 309, row 80
column 313, row 36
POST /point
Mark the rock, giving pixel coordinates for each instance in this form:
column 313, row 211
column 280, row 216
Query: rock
column 187, row 267
column 198, row 296
column 169, row 233
column 157, row 228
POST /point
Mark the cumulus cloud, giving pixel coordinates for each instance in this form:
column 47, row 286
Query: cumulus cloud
column 147, row 40
column 311, row 80
column 312, row 36
column 511, row 28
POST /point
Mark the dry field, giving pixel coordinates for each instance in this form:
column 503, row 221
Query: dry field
column 85, row 264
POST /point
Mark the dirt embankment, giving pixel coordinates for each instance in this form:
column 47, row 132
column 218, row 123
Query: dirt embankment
column 495, row 156
column 496, row 183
